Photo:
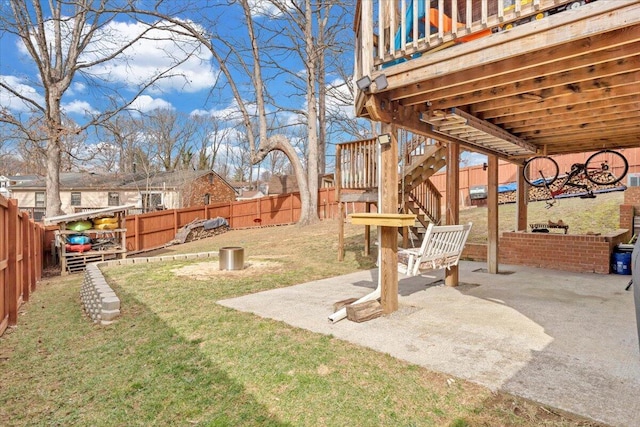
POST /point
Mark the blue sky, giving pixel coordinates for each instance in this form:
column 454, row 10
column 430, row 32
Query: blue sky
column 197, row 87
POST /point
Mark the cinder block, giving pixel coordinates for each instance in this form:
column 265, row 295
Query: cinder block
column 111, row 303
column 109, row 314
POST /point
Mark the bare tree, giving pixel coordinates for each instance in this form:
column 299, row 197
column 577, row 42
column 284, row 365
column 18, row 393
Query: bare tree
column 66, row 39
column 171, row 133
column 119, row 137
column 300, row 16
column 207, row 141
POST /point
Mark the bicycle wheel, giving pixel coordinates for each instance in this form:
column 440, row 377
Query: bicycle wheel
column 606, row 167
column 540, row 171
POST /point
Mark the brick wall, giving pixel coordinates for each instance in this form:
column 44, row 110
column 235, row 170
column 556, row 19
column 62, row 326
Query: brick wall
column 632, row 197
column 217, row 189
column 567, row 252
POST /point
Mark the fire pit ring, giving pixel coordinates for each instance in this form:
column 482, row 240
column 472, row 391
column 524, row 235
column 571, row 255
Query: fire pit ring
column 231, row 258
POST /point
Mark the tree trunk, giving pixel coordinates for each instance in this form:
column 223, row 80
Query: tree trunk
column 309, row 213
column 55, row 129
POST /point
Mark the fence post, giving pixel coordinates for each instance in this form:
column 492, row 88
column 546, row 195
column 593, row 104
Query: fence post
column 13, row 281
column 37, row 251
column 27, row 260
column 136, row 226
column 175, row 222
column 291, row 198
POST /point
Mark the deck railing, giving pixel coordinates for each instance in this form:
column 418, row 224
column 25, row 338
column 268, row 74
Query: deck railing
column 389, row 32
column 356, row 164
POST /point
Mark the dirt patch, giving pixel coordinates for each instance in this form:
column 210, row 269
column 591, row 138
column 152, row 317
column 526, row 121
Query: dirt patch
column 205, row 270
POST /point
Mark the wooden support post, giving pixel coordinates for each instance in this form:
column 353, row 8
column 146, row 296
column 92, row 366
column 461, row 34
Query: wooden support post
column 389, row 235
column 27, row 260
column 136, row 228
column 492, row 214
column 341, row 231
column 367, row 233
column 522, row 199
column 12, row 283
column 452, row 214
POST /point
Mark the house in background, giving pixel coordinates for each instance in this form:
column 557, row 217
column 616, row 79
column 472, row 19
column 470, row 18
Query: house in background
column 7, row 181
column 4, row 186
column 163, row 190
column 251, row 194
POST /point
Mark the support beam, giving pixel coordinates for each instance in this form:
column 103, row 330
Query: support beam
column 492, row 213
column 389, row 235
column 341, row 231
column 452, row 214
column 522, row 199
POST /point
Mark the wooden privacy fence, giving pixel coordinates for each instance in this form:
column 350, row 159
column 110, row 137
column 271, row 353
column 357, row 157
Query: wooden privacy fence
column 20, row 260
column 154, row 229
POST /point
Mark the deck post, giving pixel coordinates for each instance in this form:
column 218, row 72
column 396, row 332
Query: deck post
column 492, row 214
column 522, row 199
column 389, row 235
column 452, row 214
column 340, row 231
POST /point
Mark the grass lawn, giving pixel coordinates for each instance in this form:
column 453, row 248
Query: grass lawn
column 175, row 357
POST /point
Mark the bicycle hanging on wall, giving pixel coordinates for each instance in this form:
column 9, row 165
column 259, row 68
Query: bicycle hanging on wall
column 604, row 167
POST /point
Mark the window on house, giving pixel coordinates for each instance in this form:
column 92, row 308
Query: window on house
column 114, row 199
column 207, row 199
column 40, row 199
column 76, row 199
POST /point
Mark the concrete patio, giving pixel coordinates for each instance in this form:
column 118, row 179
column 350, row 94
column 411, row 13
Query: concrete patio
column 566, row 340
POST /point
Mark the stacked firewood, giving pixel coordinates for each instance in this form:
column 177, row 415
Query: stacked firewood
column 198, row 233
column 200, row 229
column 538, row 193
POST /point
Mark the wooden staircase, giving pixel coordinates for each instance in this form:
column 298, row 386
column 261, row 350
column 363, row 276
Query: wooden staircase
column 356, row 177
column 356, row 180
column 417, row 194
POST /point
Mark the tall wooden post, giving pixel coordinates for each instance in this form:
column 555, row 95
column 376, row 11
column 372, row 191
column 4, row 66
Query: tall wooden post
column 522, row 199
column 340, row 231
column 452, row 213
column 12, row 291
column 492, row 213
column 389, row 235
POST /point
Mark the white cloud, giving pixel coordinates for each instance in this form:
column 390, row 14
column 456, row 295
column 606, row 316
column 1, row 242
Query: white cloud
column 265, row 8
column 158, row 51
column 76, row 88
column 145, row 103
column 79, row 107
column 340, row 99
column 230, row 113
column 12, row 102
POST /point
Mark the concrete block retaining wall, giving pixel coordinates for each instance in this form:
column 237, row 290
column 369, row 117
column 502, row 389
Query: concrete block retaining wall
column 99, row 301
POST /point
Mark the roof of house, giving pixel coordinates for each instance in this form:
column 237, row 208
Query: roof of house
column 251, row 194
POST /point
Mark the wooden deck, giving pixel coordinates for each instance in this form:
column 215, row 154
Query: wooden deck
column 568, row 82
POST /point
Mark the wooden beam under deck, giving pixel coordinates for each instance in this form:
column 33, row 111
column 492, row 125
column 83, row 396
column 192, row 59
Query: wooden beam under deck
column 523, row 70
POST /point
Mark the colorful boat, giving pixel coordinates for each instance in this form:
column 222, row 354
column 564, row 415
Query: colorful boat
column 78, row 248
column 79, row 225
column 79, row 239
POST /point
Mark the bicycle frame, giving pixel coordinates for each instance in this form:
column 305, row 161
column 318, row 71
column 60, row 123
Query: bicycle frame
column 577, row 169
